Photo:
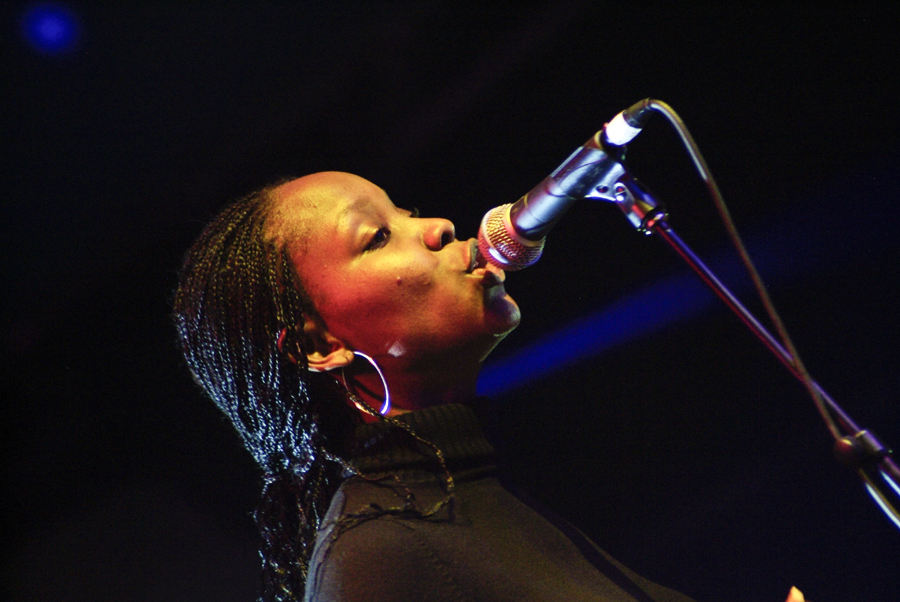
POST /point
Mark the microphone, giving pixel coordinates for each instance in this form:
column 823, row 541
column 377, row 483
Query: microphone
column 512, row 236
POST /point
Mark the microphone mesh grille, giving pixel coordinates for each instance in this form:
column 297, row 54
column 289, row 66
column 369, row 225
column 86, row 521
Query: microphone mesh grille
column 499, row 243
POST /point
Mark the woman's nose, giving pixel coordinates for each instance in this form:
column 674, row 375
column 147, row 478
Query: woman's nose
column 438, row 233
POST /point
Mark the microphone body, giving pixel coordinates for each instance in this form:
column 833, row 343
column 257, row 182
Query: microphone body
column 512, row 236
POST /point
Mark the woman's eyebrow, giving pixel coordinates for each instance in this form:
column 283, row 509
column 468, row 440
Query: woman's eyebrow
column 350, row 209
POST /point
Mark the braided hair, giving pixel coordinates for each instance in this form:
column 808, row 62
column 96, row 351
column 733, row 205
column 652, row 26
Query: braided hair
column 237, row 296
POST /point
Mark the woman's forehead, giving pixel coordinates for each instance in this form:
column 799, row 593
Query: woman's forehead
column 318, row 201
column 319, row 210
column 334, row 193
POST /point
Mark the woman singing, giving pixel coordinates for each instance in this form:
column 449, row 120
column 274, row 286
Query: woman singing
column 301, row 309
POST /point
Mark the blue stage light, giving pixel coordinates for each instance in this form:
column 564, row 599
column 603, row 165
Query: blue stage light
column 671, row 300
column 50, row 28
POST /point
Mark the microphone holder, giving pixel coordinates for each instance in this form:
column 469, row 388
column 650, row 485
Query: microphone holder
column 855, row 447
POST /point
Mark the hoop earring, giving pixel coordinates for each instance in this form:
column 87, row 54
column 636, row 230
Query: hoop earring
column 387, row 394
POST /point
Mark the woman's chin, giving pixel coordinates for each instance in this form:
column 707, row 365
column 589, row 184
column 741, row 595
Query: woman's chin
column 502, row 313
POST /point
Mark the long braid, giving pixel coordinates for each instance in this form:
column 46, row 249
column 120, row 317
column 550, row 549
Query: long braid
column 237, row 291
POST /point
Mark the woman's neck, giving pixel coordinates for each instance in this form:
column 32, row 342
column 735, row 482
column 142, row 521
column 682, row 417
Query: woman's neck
column 414, row 389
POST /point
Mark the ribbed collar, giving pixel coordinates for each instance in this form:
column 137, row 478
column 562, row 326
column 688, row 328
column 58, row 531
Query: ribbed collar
column 454, row 429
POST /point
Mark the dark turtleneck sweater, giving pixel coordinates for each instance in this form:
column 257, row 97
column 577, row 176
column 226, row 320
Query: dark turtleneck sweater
column 485, row 545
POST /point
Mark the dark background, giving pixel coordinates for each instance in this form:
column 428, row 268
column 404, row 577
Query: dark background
column 689, row 454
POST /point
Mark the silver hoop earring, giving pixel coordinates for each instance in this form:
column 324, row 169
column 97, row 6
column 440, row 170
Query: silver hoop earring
column 387, row 394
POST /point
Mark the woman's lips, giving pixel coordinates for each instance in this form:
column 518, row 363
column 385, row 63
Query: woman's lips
column 479, row 266
column 491, row 274
column 474, row 258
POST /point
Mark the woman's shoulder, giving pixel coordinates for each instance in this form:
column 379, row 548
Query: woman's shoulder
column 376, row 558
column 373, row 558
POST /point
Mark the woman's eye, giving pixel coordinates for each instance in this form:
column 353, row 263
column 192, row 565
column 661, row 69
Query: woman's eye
column 378, row 239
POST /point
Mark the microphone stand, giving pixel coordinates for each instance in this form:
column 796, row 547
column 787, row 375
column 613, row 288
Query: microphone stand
column 596, row 171
column 857, row 448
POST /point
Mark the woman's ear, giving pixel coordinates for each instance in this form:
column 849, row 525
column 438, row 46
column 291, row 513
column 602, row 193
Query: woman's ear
column 325, row 352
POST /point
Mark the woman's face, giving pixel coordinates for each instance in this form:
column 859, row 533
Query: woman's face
column 394, row 286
